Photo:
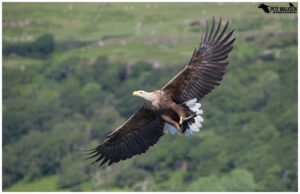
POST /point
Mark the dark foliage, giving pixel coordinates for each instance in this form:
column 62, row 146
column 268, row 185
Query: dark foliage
column 40, row 48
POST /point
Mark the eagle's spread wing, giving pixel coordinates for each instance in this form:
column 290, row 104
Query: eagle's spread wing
column 206, row 67
column 135, row 136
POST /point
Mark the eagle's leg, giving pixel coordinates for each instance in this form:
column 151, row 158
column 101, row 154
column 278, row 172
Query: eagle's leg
column 184, row 119
column 180, row 112
column 168, row 119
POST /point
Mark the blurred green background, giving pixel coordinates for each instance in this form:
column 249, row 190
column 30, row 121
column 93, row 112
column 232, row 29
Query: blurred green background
column 69, row 70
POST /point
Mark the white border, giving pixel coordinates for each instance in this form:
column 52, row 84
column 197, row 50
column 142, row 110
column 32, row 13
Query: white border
column 275, row 1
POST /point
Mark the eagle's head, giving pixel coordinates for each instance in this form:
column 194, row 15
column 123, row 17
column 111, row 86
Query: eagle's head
column 143, row 94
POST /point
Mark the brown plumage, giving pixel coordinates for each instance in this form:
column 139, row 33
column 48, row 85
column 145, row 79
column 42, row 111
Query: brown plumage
column 144, row 128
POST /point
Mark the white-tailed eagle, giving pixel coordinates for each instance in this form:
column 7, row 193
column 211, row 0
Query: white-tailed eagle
column 174, row 107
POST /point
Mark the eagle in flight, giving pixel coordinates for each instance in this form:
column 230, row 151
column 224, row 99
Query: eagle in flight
column 174, row 107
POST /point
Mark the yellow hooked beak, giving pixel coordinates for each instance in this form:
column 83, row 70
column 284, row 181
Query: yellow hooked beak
column 135, row 93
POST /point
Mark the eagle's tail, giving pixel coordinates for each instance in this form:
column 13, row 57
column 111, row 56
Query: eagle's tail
column 193, row 123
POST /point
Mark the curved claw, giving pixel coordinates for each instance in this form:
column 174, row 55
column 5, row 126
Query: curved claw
column 179, row 129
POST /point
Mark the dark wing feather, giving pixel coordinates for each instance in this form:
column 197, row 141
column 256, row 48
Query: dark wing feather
column 206, row 67
column 135, row 136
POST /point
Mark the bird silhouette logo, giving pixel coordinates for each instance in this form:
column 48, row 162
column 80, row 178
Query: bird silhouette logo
column 278, row 9
column 291, row 5
column 264, row 7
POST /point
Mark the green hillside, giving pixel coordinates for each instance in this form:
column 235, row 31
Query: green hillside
column 69, row 70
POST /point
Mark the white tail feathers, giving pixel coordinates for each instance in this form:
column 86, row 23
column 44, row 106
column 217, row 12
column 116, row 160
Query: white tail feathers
column 193, row 127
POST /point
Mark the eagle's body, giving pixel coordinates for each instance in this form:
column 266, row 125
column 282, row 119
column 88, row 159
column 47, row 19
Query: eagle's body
column 173, row 108
column 162, row 104
column 155, row 100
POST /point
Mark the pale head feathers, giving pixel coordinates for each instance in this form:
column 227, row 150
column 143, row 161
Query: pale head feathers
column 143, row 94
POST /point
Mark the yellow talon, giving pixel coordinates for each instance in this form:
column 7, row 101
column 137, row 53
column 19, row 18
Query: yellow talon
column 180, row 131
column 180, row 121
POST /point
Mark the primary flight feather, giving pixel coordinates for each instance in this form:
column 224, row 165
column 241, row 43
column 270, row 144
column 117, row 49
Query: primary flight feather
column 175, row 107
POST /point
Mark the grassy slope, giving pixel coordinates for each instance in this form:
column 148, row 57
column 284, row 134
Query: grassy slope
column 44, row 184
column 166, row 25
